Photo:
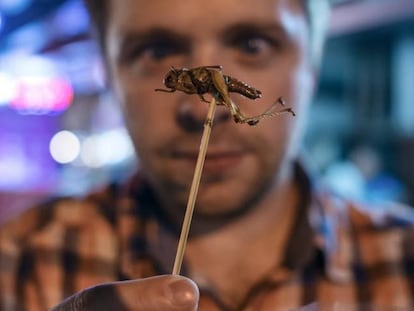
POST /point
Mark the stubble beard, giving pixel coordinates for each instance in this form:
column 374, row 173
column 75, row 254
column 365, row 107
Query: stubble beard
column 212, row 214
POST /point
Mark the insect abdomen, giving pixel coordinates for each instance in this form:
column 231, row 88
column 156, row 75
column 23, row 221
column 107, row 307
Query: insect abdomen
column 236, row 86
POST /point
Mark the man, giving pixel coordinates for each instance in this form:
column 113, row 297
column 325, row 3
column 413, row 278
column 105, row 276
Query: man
column 263, row 237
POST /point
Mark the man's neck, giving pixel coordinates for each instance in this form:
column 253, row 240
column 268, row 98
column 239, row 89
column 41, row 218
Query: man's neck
column 232, row 258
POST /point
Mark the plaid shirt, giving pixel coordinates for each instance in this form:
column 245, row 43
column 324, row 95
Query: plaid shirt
column 339, row 252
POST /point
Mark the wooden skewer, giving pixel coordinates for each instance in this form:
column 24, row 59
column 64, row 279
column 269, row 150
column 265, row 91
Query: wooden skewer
column 208, row 124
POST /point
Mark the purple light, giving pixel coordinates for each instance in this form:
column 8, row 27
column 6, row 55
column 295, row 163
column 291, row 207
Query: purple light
column 71, row 19
column 42, row 95
column 25, row 162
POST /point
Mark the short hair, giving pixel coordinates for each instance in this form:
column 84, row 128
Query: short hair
column 317, row 14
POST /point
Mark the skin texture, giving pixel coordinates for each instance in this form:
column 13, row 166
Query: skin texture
column 247, row 180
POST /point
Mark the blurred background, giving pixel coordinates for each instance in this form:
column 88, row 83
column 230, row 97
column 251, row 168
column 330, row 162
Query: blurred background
column 60, row 132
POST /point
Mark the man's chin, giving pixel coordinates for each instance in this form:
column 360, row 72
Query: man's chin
column 218, row 208
column 207, row 206
column 207, row 219
column 210, row 208
column 221, row 198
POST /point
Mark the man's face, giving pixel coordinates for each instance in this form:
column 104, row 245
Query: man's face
column 261, row 42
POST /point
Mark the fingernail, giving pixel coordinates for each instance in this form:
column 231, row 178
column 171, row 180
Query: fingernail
column 184, row 292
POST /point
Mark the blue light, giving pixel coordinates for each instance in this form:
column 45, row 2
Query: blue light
column 14, row 7
column 71, row 18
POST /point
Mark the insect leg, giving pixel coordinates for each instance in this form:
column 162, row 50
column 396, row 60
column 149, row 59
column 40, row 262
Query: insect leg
column 223, row 96
column 240, row 118
column 223, row 93
column 270, row 112
column 203, row 99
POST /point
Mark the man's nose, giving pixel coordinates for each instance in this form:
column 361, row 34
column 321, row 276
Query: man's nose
column 192, row 112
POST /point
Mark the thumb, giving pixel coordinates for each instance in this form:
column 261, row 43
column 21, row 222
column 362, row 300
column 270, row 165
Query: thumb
column 165, row 292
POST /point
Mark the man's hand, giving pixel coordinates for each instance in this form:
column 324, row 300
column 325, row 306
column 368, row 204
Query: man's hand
column 167, row 293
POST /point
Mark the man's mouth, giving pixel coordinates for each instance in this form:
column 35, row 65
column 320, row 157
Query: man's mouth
column 215, row 162
column 222, row 161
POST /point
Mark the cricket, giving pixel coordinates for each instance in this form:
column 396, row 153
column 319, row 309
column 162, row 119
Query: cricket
column 211, row 80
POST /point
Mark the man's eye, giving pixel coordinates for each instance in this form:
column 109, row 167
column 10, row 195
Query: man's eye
column 159, row 50
column 253, row 45
column 254, row 48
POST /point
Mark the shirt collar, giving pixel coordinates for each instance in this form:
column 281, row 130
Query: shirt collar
column 321, row 225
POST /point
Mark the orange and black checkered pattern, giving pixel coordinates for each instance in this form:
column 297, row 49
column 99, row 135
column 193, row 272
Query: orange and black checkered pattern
column 340, row 253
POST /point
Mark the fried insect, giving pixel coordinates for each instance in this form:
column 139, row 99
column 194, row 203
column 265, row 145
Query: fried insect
column 211, row 80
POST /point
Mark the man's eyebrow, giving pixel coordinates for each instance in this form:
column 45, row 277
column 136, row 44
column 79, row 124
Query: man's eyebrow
column 249, row 27
column 152, row 35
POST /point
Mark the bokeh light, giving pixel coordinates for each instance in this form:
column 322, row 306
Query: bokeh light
column 64, row 147
column 109, row 148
